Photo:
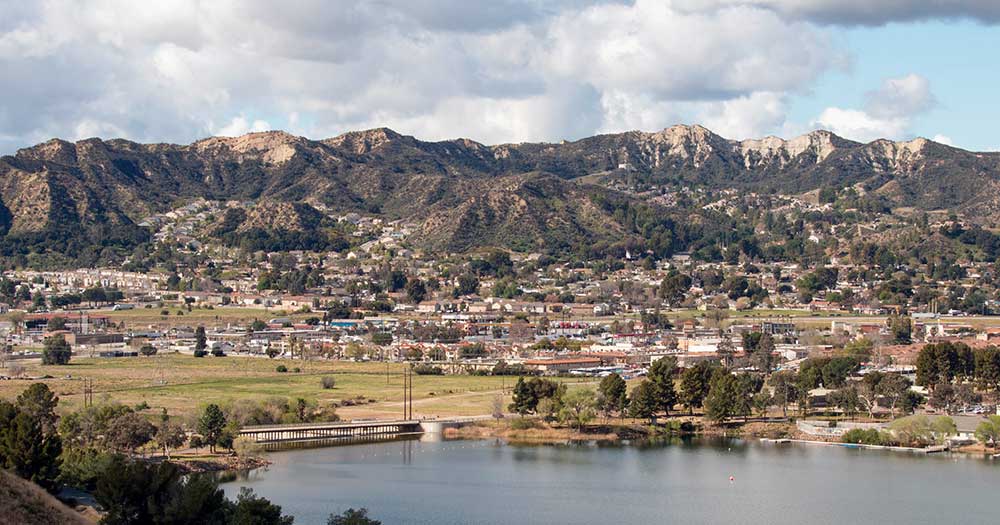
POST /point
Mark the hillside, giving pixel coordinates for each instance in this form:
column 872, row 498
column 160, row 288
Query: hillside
column 85, row 197
column 24, row 503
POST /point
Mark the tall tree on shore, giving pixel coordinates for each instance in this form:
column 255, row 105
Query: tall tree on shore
column 211, row 424
column 643, row 401
column 523, row 400
column 726, row 349
column 762, row 356
column 612, row 394
column 661, row 375
column 723, row 396
column 695, row 384
column 783, row 386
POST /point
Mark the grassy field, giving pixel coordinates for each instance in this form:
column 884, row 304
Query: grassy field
column 212, row 317
column 181, row 383
column 216, row 316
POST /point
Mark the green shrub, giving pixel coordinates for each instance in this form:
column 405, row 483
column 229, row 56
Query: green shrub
column 868, row 436
column 429, row 370
column 82, row 466
column 281, row 368
column 523, row 423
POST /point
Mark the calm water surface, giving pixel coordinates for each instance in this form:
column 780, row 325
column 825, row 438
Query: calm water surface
column 458, row 482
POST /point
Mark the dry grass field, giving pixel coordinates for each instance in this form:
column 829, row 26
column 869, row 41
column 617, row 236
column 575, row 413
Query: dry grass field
column 181, row 383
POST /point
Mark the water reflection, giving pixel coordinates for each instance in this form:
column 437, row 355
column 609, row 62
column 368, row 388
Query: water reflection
column 680, row 479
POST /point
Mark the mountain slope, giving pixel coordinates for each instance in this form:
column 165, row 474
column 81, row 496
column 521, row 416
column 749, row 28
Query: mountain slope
column 89, row 195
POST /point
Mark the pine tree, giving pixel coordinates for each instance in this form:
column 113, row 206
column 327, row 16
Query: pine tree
column 726, row 349
column 613, row 394
column 30, row 452
column 661, row 375
column 643, row 402
column 722, row 399
column 200, row 341
column 211, row 424
column 524, row 400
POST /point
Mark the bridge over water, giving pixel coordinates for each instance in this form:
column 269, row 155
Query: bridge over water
column 267, row 434
column 349, row 431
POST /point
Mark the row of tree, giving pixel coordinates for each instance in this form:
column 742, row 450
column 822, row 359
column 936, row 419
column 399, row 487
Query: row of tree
column 94, row 449
column 947, row 362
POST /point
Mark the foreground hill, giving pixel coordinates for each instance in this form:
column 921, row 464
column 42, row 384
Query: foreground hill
column 24, row 503
column 90, row 195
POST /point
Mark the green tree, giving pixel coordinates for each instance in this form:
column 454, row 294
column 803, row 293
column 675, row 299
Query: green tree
column 763, row 357
column 722, row 399
column 725, row 349
column 56, row 351
column 352, row 517
column 612, row 394
column 415, row 290
column 661, row 375
column 200, row 340
column 56, row 323
column 893, row 388
column 26, row 449
column 761, row 401
column 524, row 400
column 913, row 430
column 94, row 295
column 39, row 403
column 170, row 435
column 846, row 399
column 251, row 509
column 468, row 284
column 695, row 382
column 988, row 432
column 784, row 389
column 578, row 407
column 747, row 386
column 133, row 493
column 211, row 425
column 901, row 329
column 129, row 431
column 643, row 401
column 987, row 367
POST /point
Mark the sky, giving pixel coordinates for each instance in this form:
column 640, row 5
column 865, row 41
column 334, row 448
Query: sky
column 499, row 71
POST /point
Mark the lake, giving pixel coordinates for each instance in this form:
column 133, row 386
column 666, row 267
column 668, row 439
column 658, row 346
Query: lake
column 488, row 482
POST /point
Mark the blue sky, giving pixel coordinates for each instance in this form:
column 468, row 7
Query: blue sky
column 958, row 58
column 498, row 71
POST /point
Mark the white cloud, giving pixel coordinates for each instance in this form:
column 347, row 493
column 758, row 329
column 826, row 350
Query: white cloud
column 862, row 12
column 510, row 70
column 241, row 126
column 943, row 139
column 888, row 113
column 858, row 125
column 900, row 97
column 748, row 116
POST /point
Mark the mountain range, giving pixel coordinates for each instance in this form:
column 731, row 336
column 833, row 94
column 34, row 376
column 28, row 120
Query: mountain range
column 463, row 194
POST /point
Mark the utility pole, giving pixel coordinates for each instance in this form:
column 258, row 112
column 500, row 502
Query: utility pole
column 407, row 393
column 88, row 392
